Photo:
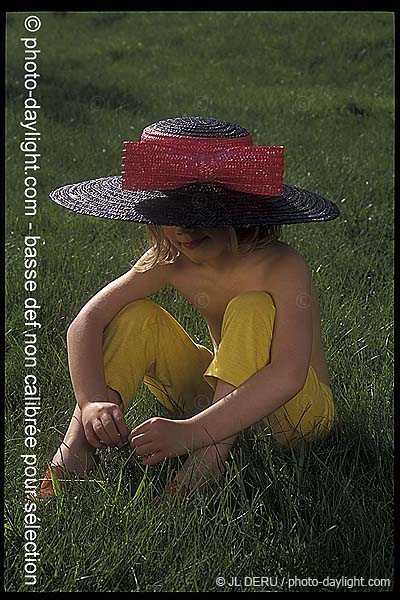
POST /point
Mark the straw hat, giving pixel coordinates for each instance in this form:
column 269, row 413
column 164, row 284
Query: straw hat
column 196, row 171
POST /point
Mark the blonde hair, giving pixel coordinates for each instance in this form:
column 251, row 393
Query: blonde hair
column 243, row 240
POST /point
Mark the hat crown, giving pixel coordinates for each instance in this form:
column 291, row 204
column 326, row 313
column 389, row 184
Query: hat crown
column 205, row 127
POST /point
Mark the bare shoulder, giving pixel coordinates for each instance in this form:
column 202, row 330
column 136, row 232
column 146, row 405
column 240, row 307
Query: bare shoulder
column 280, row 248
column 287, row 268
column 279, row 253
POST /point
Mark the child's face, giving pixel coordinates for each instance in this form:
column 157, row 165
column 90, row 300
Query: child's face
column 198, row 243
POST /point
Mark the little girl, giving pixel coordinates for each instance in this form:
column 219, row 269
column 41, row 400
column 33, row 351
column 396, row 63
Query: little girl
column 214, row 205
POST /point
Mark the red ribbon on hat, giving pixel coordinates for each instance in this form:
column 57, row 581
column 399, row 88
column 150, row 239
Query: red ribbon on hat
column 170, row 162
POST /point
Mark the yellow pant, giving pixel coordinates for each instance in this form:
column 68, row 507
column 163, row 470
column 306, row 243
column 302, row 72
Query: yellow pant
column 145, row 343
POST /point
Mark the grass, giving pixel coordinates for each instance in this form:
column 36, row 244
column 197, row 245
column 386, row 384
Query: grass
column 320, row 84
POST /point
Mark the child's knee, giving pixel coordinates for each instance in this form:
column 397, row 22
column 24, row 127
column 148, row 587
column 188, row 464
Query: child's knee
column 256, row 300
column 132, row 314
column 139, row 308
column 250, row 309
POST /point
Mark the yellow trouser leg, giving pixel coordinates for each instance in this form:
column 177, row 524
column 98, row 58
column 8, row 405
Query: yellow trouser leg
column 145, row 343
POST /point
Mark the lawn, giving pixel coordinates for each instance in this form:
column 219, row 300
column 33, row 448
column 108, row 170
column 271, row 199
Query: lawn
column 320, row 84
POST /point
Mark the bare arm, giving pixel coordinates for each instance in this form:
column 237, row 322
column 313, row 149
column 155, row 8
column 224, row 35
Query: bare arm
column 85, row 342
column 254, row 400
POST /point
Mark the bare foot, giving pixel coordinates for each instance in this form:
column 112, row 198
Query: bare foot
column 79, row 462
column 75, row 453
column 202, row 467
column 205, row 465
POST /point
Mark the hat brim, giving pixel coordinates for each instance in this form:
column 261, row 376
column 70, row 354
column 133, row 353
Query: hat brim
column 197, row 204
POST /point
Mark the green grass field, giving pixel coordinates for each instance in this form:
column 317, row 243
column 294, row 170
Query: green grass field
column 321, row 84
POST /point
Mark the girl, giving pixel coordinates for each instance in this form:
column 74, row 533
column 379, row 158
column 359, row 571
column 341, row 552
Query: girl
column 214, row 204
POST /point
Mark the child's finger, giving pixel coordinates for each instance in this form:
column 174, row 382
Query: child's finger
column 142, row 428
column 101, row 433
column 92, row 438
column 109, row 426
column 146, row 449
column 139, row 440
column 121, row 425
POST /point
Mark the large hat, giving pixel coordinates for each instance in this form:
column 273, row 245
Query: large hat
column 197, row 172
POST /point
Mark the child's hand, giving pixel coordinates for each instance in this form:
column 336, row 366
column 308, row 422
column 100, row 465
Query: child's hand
column 104, row 424
column 158, row 438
